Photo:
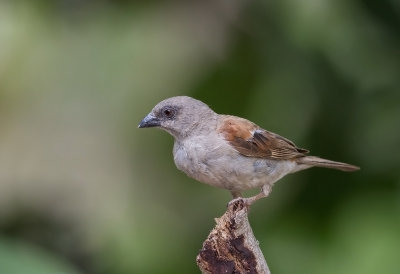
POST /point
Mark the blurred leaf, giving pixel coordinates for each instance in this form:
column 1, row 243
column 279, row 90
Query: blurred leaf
column 18, row 258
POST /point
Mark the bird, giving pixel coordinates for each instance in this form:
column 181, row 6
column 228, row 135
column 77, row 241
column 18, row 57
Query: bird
column 227, row 151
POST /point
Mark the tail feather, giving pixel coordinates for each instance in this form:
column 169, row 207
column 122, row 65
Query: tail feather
column 319, row 162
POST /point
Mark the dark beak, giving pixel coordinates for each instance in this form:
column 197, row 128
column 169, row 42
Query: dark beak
column 149, row 121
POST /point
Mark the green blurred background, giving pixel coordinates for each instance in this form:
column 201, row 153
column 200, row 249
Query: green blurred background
column 82, row 190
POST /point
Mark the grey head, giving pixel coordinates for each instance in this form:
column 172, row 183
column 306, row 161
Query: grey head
column 180, row 116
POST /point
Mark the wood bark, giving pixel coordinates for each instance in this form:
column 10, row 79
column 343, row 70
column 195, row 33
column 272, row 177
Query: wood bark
column 231, row 246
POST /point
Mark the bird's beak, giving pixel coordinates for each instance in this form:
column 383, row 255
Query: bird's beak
column 149, row 121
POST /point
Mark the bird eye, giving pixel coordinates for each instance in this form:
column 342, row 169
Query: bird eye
column 168, row 113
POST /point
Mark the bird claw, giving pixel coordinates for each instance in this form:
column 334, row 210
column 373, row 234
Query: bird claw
column 249, row 201
column 240, row 202
column 235, row 203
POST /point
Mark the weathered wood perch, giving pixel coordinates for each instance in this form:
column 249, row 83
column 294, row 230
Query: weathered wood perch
column 231, row 246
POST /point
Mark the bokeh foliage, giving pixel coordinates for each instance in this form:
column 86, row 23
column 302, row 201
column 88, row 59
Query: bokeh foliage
column 82, row 190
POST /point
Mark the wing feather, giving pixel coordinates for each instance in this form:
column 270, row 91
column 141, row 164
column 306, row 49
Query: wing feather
column 251, row 140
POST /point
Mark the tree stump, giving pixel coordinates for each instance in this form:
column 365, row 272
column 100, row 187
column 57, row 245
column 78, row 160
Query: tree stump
column 231, row 246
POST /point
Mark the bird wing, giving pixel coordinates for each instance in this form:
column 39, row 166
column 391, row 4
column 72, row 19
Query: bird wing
column 251, row 140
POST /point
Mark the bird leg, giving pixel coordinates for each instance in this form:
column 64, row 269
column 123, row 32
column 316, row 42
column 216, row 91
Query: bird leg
column 265, row 191
column 236, row 194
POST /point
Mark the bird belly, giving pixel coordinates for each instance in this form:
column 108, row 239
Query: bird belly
column 223, row 167
column 242, row 173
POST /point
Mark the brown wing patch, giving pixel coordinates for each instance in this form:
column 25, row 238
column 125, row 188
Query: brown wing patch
column 250, row 140
column 235, row 127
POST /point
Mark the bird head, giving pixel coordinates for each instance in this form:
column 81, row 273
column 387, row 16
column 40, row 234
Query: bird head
column 180, row 116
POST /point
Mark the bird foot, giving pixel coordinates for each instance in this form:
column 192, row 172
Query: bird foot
column 241, row 202
column 238, row 203
column 265, row 191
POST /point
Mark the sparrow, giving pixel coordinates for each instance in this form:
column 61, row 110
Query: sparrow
column 229, row 152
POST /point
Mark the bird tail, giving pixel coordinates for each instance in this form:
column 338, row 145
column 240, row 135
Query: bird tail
column 319, row 162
